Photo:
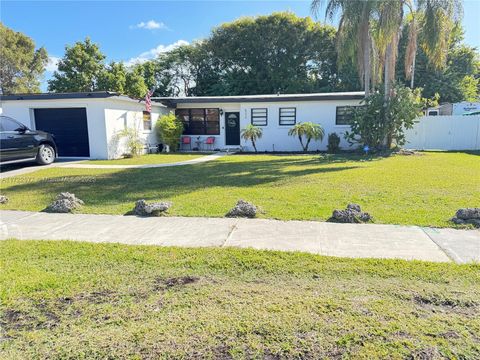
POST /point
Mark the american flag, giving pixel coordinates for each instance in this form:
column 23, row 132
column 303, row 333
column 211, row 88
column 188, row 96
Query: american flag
column 148, row 101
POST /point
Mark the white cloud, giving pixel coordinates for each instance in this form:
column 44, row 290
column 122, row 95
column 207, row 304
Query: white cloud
column 150, row 25
column 52, row 64
column 153, row 53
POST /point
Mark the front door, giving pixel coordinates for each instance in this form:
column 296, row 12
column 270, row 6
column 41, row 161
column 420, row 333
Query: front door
column 232, row 128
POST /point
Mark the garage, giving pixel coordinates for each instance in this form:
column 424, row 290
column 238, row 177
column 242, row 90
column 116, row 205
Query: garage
column 85, row 124
column 69, row 126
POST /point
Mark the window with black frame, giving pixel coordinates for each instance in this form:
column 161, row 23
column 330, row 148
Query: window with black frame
column 287, row 116
column 344, row 115
column 259, row 117
column 199, row 121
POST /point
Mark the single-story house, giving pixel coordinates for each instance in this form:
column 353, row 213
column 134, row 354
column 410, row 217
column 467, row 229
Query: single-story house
column 223, row 117
column 86, row 124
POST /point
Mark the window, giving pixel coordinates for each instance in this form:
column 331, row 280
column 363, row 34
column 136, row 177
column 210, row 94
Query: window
column 344, row 115
column 199, row 121
column 259, row 117
column 8, row 124
column 287, row 116
column 147, row 120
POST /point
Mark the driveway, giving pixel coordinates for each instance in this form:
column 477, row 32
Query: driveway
column 7, row 171
column 343, row 240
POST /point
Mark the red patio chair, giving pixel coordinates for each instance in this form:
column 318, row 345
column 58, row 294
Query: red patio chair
column 210, row 141
column 186, row 140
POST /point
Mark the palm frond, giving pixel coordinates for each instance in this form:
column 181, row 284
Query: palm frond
column 438, row 21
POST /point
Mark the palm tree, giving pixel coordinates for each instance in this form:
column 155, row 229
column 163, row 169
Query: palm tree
column 432, row 22
column 354, row 38
column 369, row 31
column 252, row 133
column 309, row 130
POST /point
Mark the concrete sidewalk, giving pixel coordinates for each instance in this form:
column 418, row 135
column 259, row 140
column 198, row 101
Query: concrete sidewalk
column 344, row 240
column 81, row 164
column 202, row 159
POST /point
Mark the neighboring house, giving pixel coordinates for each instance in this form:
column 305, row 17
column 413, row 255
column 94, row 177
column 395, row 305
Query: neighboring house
column 84, row 124
column 223, row 117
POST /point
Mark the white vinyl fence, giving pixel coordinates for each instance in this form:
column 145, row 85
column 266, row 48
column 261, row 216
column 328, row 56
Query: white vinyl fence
column 453, row 132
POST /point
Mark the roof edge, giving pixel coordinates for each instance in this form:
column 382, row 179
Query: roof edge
column 358, row 95
column 66, row 95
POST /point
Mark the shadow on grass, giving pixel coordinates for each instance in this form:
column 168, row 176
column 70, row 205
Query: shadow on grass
column 130, row 185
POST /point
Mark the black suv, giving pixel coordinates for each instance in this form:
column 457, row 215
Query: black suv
column 18, row 143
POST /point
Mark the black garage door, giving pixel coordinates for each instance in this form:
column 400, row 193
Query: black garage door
column 69, row 126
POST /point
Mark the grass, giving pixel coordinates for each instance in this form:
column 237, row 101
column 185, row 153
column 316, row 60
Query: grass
column 97, row 301
column 414, row 190
column 148, row 159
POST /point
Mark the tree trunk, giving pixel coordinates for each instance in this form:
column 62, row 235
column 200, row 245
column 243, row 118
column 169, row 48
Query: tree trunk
column 308, row 143
column 412, row 80
column 254, row 146
column 387, row 75
column 301, row 142
column 366, row 62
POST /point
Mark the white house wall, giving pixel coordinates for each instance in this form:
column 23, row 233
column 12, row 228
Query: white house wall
column 120, row 115
column 275, row 137
column 23, row 111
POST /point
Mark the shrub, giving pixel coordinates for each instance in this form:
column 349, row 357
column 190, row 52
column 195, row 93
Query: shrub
column 133, row 143
column 309, row 130
column 380, row 122
column 252, row 133
column 333, row 143
column 169, row 129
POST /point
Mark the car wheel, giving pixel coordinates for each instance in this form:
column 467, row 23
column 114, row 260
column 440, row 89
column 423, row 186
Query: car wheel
column 46, row 154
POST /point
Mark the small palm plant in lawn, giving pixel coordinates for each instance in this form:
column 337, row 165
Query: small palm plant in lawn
column 252, row 133
column 308, row 130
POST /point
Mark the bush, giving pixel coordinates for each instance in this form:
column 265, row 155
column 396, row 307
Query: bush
column 333, row 143
column 169, row 129
column 309, row 130
column 133, row 143
column 380, row 122
column 252, row 133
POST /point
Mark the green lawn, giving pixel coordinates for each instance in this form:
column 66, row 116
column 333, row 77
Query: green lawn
column 149, row 159
column 415, row 190
column 67, row 300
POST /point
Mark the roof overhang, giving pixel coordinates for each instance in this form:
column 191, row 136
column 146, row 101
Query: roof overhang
column 173, row 101
column 72, row 96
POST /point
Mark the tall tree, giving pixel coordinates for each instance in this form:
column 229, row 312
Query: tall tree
column 354, row 37
column 79, row 69
column 135, row 84
column 83, row 69
column 21, row 66
column 112, row 78
column 433, row 19
column 256, row 55
column 179, row 70
column 457, row 81
column 280, row 52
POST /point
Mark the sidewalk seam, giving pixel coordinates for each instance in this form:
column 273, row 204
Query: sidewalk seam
column 451, row 257
column 229, row 235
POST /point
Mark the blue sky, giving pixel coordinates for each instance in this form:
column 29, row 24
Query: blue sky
column 132, row 30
